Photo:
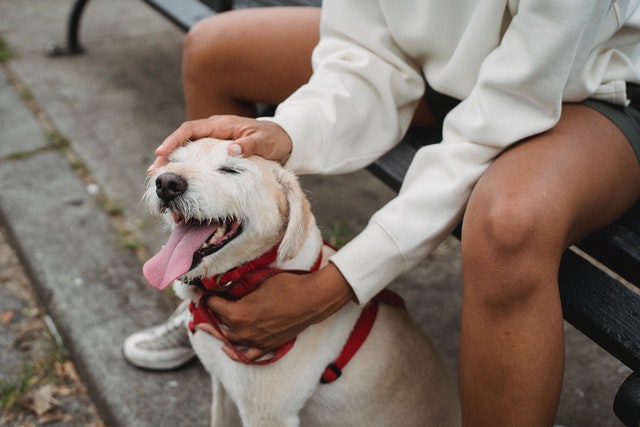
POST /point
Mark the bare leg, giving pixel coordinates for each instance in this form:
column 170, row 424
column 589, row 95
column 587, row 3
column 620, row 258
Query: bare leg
column 237, row 58
column 537, row 198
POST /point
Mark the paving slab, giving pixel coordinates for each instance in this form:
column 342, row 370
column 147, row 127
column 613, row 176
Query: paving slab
column 21, row 132
column 92, row 288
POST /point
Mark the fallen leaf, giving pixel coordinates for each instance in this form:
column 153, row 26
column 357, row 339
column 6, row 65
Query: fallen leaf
column 68, row 370
column 52, row 417
column 6, row 317
column 64, row 391
column 42, row 400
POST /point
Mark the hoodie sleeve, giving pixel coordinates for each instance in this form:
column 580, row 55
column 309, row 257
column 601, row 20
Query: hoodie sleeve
column 362, row 96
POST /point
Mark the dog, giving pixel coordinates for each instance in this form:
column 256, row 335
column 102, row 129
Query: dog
column 231, row 215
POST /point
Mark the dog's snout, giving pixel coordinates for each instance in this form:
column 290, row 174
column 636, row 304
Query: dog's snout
column 170, row 185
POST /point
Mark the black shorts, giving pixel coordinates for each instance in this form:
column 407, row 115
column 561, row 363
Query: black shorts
column 627, row 119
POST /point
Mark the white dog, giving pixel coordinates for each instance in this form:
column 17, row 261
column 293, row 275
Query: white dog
column 236, row 217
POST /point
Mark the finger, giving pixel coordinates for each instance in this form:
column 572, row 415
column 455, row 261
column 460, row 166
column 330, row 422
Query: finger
column 253, row 353
column 230, row 353
column 234, row 149
column 205, row 327
column 219, row 306
column 157, row 163
column 270, row 142
column 187, row 131
column 244, row 146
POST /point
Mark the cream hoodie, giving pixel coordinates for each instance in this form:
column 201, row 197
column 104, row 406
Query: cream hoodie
column 512, row 62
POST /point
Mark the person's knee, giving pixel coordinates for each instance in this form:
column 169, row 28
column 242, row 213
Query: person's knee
column 510, row 245
column 500, row 225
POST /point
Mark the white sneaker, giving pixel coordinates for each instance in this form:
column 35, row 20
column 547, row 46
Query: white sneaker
column 162, row 347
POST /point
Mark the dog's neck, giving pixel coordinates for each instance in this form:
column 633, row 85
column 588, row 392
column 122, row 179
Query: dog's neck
column 244, row 279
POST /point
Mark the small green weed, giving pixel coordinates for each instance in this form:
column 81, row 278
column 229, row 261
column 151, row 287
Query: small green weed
column 5, row 52
column 15, row 393
column 338, row 234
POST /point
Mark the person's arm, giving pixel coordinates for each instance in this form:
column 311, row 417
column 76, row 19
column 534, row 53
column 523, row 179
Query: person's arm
column 518, row 93
column 346, row 113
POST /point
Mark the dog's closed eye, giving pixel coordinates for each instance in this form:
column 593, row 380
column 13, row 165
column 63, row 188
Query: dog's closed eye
column 229, row 169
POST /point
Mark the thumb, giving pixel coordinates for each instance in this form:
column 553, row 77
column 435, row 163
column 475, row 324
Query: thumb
column 266, row 140
column 244, row 146
column 219, row 306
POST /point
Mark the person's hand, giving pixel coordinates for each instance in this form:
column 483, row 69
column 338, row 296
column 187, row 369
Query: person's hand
column 282, row 307
column 249, row 136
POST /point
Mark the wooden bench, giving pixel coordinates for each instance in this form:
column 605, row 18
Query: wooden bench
column 599, row 277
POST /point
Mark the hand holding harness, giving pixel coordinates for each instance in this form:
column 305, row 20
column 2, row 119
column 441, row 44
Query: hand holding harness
column 244, row 279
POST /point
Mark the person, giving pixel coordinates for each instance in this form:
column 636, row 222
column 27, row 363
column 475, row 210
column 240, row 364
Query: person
column 538, row 104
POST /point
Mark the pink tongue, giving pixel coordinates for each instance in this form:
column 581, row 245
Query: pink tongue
column 176, row 256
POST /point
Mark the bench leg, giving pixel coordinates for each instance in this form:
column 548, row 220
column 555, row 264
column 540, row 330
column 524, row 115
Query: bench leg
column 73, row 46
column 626, row 405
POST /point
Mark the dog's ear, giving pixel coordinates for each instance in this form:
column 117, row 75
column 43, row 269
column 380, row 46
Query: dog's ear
column 300, row 217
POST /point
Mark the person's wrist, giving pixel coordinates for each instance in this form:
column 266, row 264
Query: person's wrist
column 331, row 291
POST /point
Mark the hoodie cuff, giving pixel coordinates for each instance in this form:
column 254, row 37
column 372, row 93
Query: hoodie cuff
column 370, row 262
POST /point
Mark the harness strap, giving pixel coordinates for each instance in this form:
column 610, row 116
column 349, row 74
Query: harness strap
column 202, row 314
column 246, row 278
column 235, row 284
column 360, row 333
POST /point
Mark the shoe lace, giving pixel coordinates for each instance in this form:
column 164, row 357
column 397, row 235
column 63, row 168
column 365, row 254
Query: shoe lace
column 170, row 334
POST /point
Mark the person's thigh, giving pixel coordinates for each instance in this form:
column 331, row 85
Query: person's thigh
column 573, row 179
column 253, row 55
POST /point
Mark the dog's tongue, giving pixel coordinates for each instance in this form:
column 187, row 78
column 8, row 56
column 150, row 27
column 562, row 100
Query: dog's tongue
column 176, row 256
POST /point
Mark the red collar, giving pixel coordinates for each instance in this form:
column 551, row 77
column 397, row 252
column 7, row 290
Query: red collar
column 244, row 279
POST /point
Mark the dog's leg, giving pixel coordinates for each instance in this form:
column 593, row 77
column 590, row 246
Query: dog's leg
column 254, row 419
column 223, row 411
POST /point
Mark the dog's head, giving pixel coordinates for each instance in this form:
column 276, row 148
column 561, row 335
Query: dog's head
column 225, row 211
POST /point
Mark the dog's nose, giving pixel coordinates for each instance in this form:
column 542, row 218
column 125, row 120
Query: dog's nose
column 170, row 185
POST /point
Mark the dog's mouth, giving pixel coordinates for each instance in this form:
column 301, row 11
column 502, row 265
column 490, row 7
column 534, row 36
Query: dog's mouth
column 225, row 231
column 190, row 242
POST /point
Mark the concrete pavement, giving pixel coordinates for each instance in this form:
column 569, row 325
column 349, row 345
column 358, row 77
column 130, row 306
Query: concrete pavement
column 76, row 136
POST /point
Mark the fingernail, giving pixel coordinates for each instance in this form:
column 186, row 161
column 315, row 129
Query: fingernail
column 230, row 353
column 235, row 150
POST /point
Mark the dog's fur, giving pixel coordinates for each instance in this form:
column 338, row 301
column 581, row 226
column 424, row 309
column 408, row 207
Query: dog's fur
column 395, row 379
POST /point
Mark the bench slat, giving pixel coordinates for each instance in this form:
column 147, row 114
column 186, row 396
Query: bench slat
column 601, row 307
column 183, row 13
column 618, row 246
column 392, row 167
column 268, row 3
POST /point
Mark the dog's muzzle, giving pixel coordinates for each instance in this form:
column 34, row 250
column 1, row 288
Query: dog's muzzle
column 169, row 186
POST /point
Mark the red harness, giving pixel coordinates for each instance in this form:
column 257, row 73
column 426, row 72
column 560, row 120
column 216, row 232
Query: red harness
column 242, row 280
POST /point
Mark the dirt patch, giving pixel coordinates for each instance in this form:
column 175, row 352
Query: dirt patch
column 39, row 384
